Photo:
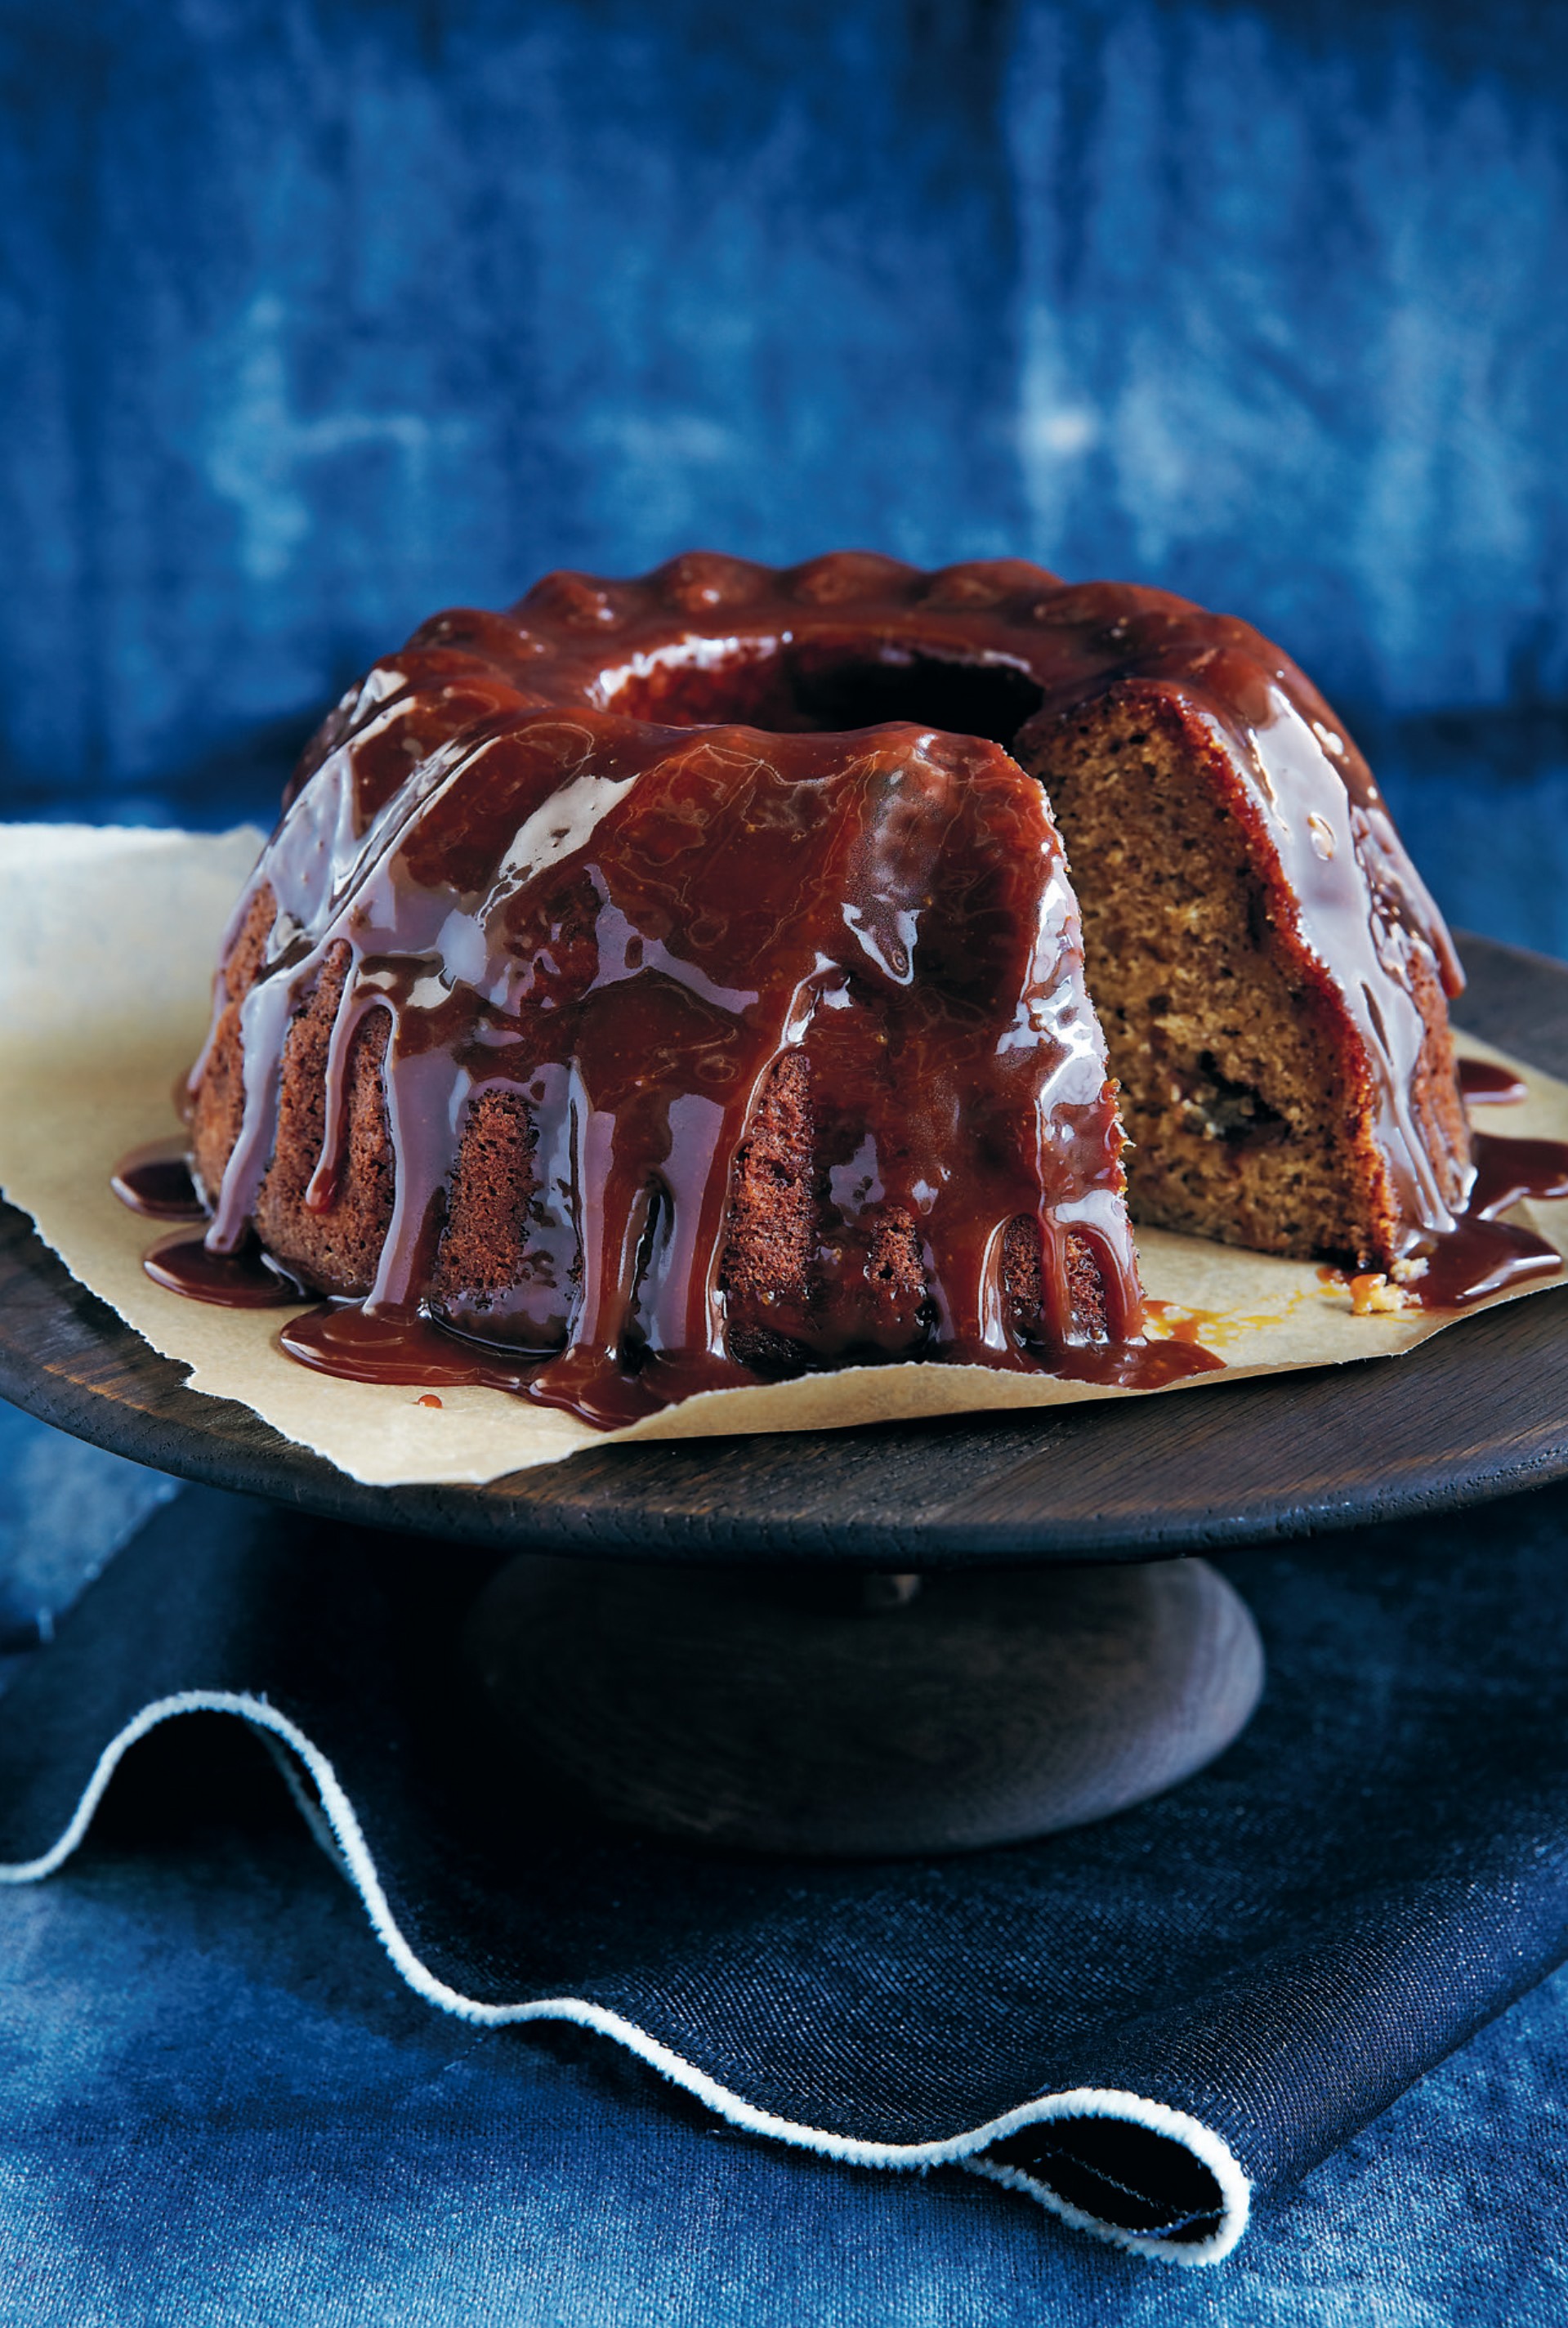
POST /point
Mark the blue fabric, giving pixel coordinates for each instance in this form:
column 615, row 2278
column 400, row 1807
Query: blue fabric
column 316, row 317
column 64, row 1507
column 1279, row 1948
column 218, row 2107
column 219, row 2104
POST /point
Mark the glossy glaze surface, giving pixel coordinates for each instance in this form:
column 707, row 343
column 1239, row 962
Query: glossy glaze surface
column 193, row 1265
column 1484, row 1084
column 155, row 1180
column 1482, row 1253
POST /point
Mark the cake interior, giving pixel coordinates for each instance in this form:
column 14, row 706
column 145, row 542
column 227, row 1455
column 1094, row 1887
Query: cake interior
column 1238, row 1113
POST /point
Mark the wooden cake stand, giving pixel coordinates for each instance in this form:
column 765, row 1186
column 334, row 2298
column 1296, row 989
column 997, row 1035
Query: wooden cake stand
column 930, row 1635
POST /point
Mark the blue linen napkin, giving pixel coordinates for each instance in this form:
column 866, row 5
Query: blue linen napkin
column 1143, row 2025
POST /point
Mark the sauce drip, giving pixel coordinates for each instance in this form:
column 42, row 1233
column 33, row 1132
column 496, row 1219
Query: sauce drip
column 344, row 1338
column 1138, row 1366
column 155, row 1179
column 1181, row 1323
column 1483, row 1083
column 394, row 1346
column 1483, row 1254
column 231, row 1280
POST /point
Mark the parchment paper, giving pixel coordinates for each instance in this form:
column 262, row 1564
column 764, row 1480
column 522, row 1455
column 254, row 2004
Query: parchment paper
column 108, row 940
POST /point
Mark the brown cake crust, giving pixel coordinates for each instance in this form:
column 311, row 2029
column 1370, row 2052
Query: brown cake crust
column 330, row 1237
column 776, row 1219
column 484, row 1248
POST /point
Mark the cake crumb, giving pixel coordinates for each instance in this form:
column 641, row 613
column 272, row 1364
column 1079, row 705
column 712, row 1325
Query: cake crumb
column 1373, row 1296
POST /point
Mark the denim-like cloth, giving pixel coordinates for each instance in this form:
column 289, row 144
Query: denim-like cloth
column 1276, row 1951
column 220, row 2109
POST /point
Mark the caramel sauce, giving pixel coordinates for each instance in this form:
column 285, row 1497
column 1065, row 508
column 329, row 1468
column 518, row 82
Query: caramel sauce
column 346, row 1339
column 341, row 1338
column 231, row 1280
column 155, row 1179
column 1483, row 1083
column 1137, row 1366
column 1179, row 1323
column 1483, row 1254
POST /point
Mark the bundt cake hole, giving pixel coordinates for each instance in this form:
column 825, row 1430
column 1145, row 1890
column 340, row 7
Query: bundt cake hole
column 989, row 699
column 825, row 688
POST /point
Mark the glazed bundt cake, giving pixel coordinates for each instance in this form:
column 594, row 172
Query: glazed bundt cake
column 677, row 982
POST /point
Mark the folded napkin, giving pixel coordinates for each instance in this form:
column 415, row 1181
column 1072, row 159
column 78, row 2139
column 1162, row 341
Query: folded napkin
column 1144, row 2024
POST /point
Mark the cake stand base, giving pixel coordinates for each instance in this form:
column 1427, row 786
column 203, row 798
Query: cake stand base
column 862, row 1717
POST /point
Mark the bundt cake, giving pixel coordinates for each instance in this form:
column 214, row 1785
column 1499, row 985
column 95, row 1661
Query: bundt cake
column 676, row 982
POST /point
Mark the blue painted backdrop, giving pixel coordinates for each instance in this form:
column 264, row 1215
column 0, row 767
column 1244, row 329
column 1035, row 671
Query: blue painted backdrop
column 317, row 314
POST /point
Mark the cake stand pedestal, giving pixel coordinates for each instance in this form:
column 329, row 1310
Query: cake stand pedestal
column 862, row 1717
